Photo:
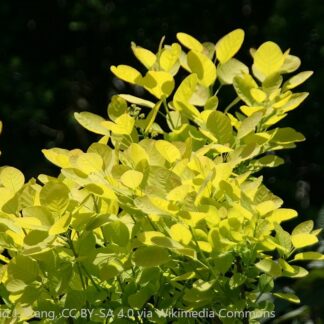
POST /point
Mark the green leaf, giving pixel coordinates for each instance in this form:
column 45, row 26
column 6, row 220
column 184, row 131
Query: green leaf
column 282, row 214
column 286, row 296
column 61, row 225
column 117, row 107
column 286, row 135
column 127, row 73
column 117, row 232
column 151, row 256
column 89, row 163
column 243, row 85
column 229, row 45
column 91, row 122
column 11, row 178
column 220, row 126
column 190, row 42
column 227, row 71
column 270, row 267
column 54, row 196
column 237, row 280
column 203, row 67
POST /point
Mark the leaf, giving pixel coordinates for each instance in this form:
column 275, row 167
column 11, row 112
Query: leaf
column 295, row 100
column 211, row 103
column 158, row 83
column 291, row 64
column 308, row 256
column 237, row 280
column 61, row 225
column 190, row 42
column 269, row 161
column 138, row 300
column 304, row 227
column 11, row 178
column 136, row 101
column 151, row 256
column 169, row 58
column 302, row 240
column 268, row 59
column 89, row 163
column 203, row 67
column 249, row 124
column 116, row 107
column 23, row 268
column 116, row 232
column 227, row 71
column 297, row 79
column 132, row 179
column 270, row 267
column 282, row 214
column 229, row 45
column 258, row 95
column 243, row 85
column 58, row 156
column 146, row 57
column 286, row 135
column 220, row 126
column 123, row 125
column 287, row 296
column 169, row 151
column 127, row 73
column 181, row 233
column 54, row 196
column 91, row 122
column 111, row 269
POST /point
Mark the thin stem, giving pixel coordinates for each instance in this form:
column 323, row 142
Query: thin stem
column 216, row 92
column 165, row 104
column 233, row 103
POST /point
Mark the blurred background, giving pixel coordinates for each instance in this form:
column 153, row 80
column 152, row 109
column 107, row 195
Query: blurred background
column 55, row 57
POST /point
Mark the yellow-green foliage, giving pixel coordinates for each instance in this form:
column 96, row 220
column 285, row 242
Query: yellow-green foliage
column 171, row 213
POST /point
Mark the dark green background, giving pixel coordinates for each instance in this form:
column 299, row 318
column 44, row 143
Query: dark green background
column 55, row 58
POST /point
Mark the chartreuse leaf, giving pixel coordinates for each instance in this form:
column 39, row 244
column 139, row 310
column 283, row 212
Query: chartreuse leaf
column 116, row 107
column 297, row 79
column 151, row 256
column 287, row 296
column 116, row 232
column 220, row 126
column 304, row 227
column 58, row 156
column 302, row 240
column 229, row 45
column 123, row 125
column 227, row 71
column 89, row 162
column 291, row 64
column 146, row 57
column 203, row 67
column 181, row 233
column 308, row 256
column 54, row 196
column 132, row 178
column 268, row 59
column 249, row 124
column 91, row 122
column 169, row 58
column 281, row 215
column 243, row 85
column 270, row 267
column 170, row 152
column 110, row 269
column 190, row 42
column 126, row 73
column 11, row 178
column 136, row 101
column 158, row 83
column 61, row 225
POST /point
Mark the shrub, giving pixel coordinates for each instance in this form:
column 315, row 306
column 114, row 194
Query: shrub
column 172, row 214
